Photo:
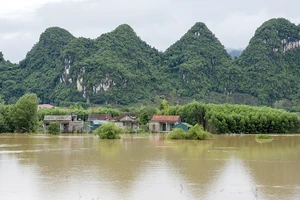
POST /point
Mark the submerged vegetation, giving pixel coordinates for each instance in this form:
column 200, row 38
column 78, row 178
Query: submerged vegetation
column 194, row 133
column 108, row 131
column 263, row 136
column 53, row 128
column 176, row 133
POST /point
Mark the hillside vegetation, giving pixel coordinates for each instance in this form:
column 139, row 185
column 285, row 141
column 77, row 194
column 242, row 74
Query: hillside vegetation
column 120, row 68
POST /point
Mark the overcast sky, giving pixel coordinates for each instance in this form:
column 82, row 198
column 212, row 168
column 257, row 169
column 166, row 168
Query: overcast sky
column 158, row 22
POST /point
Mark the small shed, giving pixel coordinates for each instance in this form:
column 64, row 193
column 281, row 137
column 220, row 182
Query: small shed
column 184, row 126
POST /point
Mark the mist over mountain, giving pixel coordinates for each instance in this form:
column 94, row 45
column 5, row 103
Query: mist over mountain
column 234, row 53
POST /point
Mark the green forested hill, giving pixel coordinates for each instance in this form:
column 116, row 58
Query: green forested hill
column 9, row 81
column 43, row 65
column 271, row 63
column 119, row 68
column 199, row 64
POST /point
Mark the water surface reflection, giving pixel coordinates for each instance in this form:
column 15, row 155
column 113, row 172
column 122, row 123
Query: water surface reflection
column 148, row 167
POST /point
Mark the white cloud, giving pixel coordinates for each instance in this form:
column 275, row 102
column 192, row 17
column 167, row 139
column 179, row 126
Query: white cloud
column 158, row 22
column 237, row 28
column 21, row 8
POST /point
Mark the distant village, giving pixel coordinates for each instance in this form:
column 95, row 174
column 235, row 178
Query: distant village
column 126, row 121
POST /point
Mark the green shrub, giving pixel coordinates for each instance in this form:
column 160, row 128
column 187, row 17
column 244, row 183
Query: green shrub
column 177, row 133
column 195, row 133
column 108, row 131
column 198, row 133
column 53, row 128
column 263, row 136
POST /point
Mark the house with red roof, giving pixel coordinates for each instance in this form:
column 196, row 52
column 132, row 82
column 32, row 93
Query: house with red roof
column 163, row 123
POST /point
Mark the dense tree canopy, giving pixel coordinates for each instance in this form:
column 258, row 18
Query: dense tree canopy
column 119, row 68
column 215, row 118
column 24, row 113
column 270, row 64
column 228, row 118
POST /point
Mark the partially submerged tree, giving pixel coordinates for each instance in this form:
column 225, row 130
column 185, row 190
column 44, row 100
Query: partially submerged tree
column 53, row 128
column 108, row 131
column 24, row 113
column 195, row 133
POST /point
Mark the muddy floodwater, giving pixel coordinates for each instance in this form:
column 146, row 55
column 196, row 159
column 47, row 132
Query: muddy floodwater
column 83, row 167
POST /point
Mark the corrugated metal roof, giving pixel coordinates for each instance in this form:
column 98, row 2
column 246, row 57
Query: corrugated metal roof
column 186, row 124
column 57, row 118
column 166, row 118
column 100, row 122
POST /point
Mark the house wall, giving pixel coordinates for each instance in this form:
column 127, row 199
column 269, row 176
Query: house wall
column 157, row 127
column 75, row 126
column 126, row 125
column 169, row 126
column 154, row 127
column 119, row 124
column 67, row 127
column 63, row 126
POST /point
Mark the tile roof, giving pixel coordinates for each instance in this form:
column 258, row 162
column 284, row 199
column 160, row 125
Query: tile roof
column 132, row 116
column 45, row 106
column 58, row 118
column 99, row 117
column 166, row 118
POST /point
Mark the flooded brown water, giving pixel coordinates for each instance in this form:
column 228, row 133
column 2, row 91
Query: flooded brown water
column 43, row 167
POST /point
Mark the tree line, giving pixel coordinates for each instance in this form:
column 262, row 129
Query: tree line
column 23, row 116
column 230, row 118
